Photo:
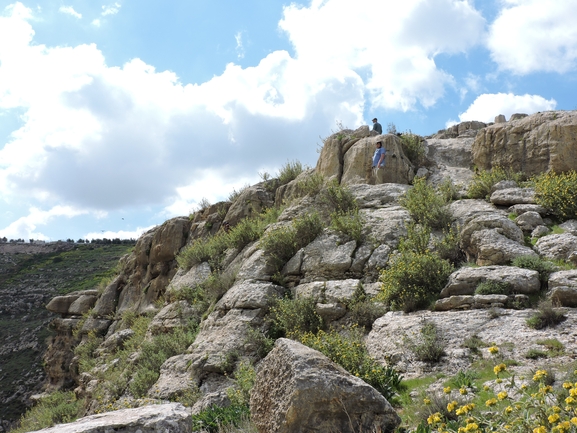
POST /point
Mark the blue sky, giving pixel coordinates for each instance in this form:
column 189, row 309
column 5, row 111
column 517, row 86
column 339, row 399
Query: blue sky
column 115, row 116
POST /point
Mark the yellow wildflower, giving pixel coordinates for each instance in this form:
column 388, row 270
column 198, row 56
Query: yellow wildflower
column 434, row 418
column 447, row 390
column 463, row 391
column 502, row 395
column 567, row 385
column 491, row 402
column 451, row 406
column 540, row 429
column 486, row 388
column 427, row 401
column 553, row 418
column 508, row 409
column 499, row 368
column 539, row 374
column 493, row 350
column 574, row 420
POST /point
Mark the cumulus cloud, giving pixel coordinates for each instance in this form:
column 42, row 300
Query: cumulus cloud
column 120, row 234
column 25, row 227
column 96, row 22
column 69, row 10
column 532, row 35
column 110, row 9
column 239, row 46
column 487, row 106
column 393, row 43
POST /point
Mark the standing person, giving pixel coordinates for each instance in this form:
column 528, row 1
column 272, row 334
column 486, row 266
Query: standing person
column 379, row 163
column 377, row 126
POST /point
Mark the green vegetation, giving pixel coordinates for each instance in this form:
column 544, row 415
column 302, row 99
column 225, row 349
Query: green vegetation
column 311, row 185
column 554, row 347
column 57, row 408
column 557, row 192
column 293, row 317
column 428, row 345
column 483, row 181
column 281, row 243
column 413, row 147
column 211, row 249
column 426, row 206
column 215, row 417
column 536, row 263
column 491, row 287
column 348, row 350
column 363, row 310
column 415, row 275
column 546, row 316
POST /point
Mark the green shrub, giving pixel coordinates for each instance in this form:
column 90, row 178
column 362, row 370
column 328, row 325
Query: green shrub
column 413, row 279
column 491, row 287
column 216, row 417
column 57, row 408
column 447, row 190
column 244, row 377
column 535, row 263
column 311, row 185
column 474, row 344
column 289, row 171
column 546, row 316
column 363, row 311
column 428, row 344
column 413, row 147
column 425, row 205
column 282, row 243
column 535, row 354
column 348, row 350
column 557, row 192
column 235, row 194
column 554, row 347
column 293, row 317
column 463, row 379
column 350, row 224
column 448, row 246
column 338, row 198
column 258, row 342
column 483, row 181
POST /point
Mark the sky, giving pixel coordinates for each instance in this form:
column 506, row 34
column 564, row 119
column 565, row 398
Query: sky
column 116, row 116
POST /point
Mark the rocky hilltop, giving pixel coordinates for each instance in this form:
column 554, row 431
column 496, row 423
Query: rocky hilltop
column 198, row 303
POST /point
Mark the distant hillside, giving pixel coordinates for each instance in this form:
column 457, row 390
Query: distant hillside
column 30, row 275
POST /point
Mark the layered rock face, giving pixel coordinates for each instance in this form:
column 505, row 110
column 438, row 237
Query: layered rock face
column 297, row 388
column 533, row 144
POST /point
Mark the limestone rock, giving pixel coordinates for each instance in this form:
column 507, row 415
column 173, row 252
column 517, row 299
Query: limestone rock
column 535, row 144
column 191, row 278
column 465, row 280
column 374, row 196
column 570, row 226
column 298, row 389
column 520, row 209
column 529, row 221
column 512, row 196
column 464, row 211
column 540, row 231
column 563, row 288
column 465, row 302
column 172, row 316
column 61, row 304
column 250, row 202
column 82, row 305
column 171, row 417
column 169, row 239
column 500, row 118
column 386, row 225
column 327, row 257
column 557, row 247
column 327, row 291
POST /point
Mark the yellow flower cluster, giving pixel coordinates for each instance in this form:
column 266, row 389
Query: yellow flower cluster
column 493, row 350
column 539, row 374
column 499, row 368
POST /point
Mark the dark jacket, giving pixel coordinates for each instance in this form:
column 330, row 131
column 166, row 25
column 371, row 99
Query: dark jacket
column 377, row 127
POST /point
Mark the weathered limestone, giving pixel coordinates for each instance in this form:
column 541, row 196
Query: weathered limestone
column 529, row 221
column 465, row 280
column 160, row 418
column 250, row 202
column 563, row 288
column 534, row 144
column 513, row 196
column 466, row 302
column 520, row 209
column 298, row 389
column 557, row 247
column 570, row 226
column 327, row 257
column 68, row 305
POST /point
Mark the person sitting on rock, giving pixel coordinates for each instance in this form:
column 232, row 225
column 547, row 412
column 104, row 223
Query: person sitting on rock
column 377, row 126
column 379, row 163
column 226, row 226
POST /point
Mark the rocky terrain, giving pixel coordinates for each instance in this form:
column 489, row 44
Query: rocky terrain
column 30, row 275
column 217, row 301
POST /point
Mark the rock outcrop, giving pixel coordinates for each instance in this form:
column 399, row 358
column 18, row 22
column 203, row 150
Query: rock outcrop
column 298, row 389
column 533, row 144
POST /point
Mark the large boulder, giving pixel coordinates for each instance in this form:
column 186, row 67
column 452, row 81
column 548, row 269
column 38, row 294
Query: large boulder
column 563, row 288
column 251, row 201
column 513, row 196
column 492, row 239
column 298, row 389
column 170, row 417
column 465, row 280
column 557, row 247
column 534, row 144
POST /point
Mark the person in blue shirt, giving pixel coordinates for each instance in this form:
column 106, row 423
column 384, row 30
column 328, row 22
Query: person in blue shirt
column 377, row 126
column 379, row 163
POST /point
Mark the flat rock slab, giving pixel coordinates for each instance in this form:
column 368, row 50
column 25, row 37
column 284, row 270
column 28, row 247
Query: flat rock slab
column 161, row 418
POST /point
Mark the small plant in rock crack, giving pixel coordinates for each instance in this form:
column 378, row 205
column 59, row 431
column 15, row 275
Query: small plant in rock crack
column 428, row 345
column 491, row 287
column 546, row 316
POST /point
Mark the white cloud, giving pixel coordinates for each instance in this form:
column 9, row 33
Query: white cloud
column 121, row 234
column 487, row 106
column 535, row 35
column 26, row 227
column 239, row 46
column 69, row 10
column 96, row 22
column 110, row 9
column 393, row 43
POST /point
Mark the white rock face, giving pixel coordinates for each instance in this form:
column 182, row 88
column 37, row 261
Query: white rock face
column 513, row 196
column 563, row 288
column 161, row 418
column 557, row 247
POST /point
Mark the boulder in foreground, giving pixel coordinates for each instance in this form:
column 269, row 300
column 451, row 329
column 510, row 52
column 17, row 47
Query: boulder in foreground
column 298, row 389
